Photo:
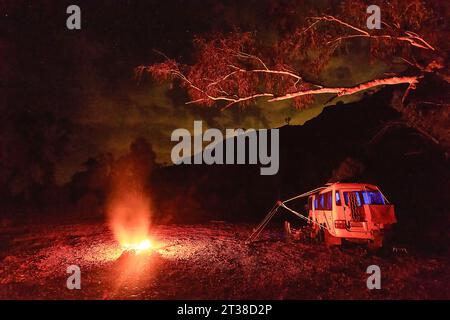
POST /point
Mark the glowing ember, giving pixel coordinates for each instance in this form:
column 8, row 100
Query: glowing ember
column 138, row 247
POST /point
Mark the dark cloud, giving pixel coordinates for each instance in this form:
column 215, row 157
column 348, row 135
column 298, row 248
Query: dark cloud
column 86, row 78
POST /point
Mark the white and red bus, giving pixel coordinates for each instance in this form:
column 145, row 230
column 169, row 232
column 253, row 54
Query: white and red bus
column 356, row 212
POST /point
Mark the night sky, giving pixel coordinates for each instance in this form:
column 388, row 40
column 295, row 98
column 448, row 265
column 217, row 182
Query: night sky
column 82, row 82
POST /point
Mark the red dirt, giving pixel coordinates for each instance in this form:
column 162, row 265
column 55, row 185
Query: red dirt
column 205, row 262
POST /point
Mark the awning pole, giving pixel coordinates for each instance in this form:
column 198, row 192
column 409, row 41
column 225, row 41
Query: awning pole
column 274, row 210
column 263, row 223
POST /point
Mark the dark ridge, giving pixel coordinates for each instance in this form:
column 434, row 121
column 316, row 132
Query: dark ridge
column 346, row 142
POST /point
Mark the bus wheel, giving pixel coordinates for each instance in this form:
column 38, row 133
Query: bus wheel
column 331, row 240
column 376, row 243
column 314, row 233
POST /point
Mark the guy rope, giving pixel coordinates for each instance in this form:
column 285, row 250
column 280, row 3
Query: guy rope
column 256, row 232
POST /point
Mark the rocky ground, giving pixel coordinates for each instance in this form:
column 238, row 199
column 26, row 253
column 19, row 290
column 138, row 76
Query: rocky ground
column 209, row 261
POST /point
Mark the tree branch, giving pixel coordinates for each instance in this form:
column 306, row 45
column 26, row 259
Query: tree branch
column 225, row 73
column 412, row 38
column 344, row 91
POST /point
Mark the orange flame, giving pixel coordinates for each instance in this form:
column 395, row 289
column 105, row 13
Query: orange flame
column 129, row 219
column 138, row 247
column 129, row 205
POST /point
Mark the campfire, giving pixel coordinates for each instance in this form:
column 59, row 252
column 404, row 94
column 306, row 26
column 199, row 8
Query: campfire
column 129, row 220
column 144, row 245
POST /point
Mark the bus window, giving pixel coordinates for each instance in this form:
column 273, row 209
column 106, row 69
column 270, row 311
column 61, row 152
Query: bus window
column 357, row 196
column 372, row 197
column 328, row 201
column 338, row 199
column 324, row 201
column 321, row 201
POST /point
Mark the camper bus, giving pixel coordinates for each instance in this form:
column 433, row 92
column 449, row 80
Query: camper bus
column 356, row 212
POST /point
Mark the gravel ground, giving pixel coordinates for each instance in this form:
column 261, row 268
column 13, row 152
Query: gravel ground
column 208, row 261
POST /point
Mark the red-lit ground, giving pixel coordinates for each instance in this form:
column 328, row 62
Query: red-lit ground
column 204, row 262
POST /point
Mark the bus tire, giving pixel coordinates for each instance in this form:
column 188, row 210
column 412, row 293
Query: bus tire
column 314, row 233
column 331, row 240
column 377, row 242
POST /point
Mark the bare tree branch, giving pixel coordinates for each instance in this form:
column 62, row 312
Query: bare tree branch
column 343, row 91
column 224, row 72
column 412, row 38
